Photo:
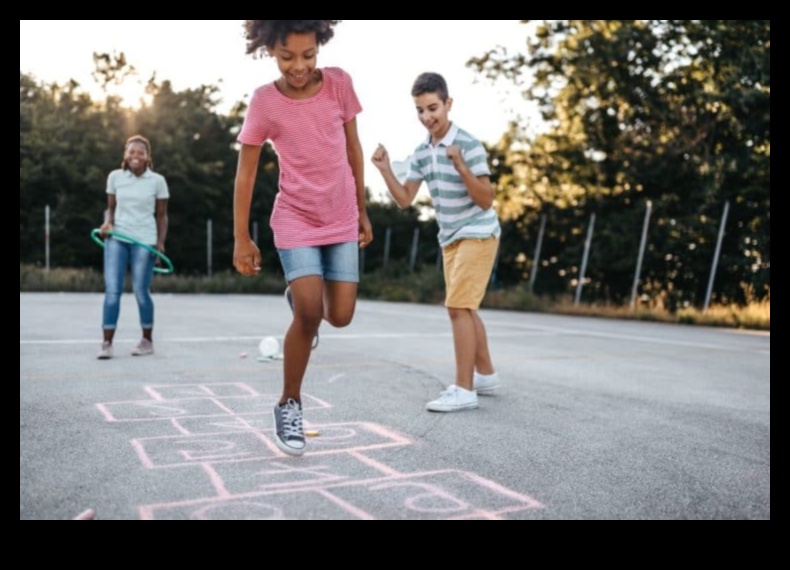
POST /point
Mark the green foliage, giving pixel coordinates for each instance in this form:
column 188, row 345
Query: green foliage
column 671, row 112
column 675, row 112
column 69, row 143
column 396, row 283
column 402, row 225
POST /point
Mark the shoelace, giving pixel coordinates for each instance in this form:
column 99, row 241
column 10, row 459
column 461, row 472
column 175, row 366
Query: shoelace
column 449, row 391
column 292, row 420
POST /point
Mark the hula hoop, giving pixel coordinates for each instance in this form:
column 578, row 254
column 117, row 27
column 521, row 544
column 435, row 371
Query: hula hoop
column 96, row 236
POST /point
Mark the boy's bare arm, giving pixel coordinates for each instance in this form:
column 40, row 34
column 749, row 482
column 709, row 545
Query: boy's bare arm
column 480, row 189
column 403, row 194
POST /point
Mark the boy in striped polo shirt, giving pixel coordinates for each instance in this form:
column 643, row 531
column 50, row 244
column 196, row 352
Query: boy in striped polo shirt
column 454, row 165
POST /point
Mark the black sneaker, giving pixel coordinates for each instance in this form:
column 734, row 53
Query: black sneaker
column 290, row 299
column 288, row 431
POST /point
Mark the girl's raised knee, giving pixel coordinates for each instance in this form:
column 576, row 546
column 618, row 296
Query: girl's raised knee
column 339, row 321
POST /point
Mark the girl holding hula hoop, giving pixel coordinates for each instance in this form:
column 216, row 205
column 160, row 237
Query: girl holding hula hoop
column 137, row 209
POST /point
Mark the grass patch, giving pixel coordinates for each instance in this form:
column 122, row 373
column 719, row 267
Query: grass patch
column 398, row 284
column 755, row 315
column 37, row 279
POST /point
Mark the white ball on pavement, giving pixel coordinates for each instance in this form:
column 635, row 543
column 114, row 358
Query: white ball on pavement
column 269, row 347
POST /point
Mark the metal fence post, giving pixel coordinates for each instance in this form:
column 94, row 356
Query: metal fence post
column 414, row 244
column 46, row 237
column 387, row 237
column 587, row 243
column 208, row 248
column 642, row 244
column 716, row 256
column 536, row 262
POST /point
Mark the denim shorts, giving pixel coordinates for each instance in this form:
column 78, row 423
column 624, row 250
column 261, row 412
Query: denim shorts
column 336, row 262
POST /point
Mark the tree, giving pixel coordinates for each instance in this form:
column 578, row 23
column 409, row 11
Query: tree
column 69, row 143
column 672, row 111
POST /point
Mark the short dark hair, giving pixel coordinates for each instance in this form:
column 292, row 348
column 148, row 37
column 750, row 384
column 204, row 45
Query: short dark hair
column 430, row 82
column 262, row 34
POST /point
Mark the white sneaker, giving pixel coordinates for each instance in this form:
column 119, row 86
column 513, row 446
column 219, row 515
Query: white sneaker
column 486, row 384
column 143, row 348
column 453, row 399
column 106, row 351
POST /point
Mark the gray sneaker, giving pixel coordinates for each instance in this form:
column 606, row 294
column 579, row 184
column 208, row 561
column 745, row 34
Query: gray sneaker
column 288, row 430
column 290, row 299
column 106, row 351
column 143, row 348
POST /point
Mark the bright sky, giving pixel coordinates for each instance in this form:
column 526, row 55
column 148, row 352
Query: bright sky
column 382, row 56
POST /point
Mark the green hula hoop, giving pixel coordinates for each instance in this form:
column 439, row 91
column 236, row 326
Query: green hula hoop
column 96, row 236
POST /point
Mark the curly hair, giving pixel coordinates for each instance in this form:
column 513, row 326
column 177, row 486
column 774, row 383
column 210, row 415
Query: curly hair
column 143, row 141
column 261, row 34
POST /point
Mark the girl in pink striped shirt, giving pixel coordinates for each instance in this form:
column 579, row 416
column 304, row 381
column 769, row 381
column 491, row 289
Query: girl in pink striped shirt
column 319, row 219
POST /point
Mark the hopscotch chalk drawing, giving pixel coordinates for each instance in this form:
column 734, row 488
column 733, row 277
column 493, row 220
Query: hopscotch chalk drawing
column 221, row 435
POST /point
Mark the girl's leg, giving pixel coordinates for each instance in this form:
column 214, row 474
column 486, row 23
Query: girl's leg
column 116, row 259
column 340, row 301
column 483, row 363
column 308, row 309
column 142, row 262
column 341, row 276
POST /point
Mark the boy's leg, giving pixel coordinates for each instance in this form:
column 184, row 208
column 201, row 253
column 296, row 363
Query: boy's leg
column 483, row 363
column 486, row 380
column 460, row 395
column 468, row 265
column 465, row 343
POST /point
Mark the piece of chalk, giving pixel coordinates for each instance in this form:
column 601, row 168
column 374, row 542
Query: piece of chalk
column 311, row 433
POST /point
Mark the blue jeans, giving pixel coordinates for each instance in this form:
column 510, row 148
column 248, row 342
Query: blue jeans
column 336, row 262
column 118, row 256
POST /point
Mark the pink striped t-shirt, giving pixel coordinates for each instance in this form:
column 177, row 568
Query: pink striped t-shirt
column 317, row 200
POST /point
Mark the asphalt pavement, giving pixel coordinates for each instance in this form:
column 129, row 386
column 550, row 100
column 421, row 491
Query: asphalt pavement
column 596, row 418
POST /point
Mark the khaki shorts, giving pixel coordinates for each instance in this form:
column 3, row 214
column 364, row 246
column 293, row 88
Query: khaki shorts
column 467, row 270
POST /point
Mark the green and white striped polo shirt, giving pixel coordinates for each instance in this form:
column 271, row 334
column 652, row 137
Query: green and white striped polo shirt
column 456, row 213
